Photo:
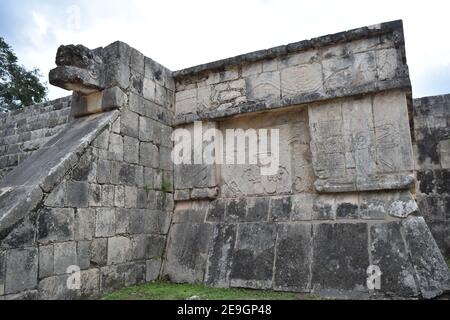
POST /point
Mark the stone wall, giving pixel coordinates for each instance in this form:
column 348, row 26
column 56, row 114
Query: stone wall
column 24, row 131
column 342, row 199
column 432, row 148
column 98, row 195
column 104, row 195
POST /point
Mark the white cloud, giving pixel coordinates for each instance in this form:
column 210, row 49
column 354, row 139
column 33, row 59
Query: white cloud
column 181, row 33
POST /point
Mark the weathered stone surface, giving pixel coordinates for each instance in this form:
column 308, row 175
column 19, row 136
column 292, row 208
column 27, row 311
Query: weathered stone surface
column 293, row 258
column 65, row 255
column 389, row 253
column 431, row 269
column 118, row 250
column 46, row 261
column 186, row 255
column 21, row 270
column 253, row 258
column 105, row 223
column 220, row 256
column 55, row 225
column 340, row 259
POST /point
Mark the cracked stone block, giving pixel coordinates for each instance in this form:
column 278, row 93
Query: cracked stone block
column 257, row 209
column 432, row 271
column 21, row 270
column 186, row 254
column 153, row 268
column 253, row 258
column 220, row 255
column 293, row 258
column 144, row 247
column 390, row 254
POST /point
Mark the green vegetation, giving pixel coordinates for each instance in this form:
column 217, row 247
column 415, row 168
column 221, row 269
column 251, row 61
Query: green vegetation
column 171, row 291
column 18, row 87
column 447, row 259
column 166, row 186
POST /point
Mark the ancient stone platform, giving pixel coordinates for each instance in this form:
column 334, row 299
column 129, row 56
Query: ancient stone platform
column 103, row 194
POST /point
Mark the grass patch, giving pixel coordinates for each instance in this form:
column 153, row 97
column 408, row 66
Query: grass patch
column 171, row 291
column 447, row 259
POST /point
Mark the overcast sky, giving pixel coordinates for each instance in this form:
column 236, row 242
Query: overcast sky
column 180, row 34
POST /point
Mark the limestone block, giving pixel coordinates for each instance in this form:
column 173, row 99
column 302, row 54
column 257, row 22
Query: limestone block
column 55, row 225
column 105, row 223
column 77, row 194
column 107, row 196
column 293, row 258
column 220, row 257
column 391, row 256
column 182, row 195
column 21, row 270
column 153, row 269
column 149, row 155
column 131, row 150
column 388, row 63
column 144, row 247
column 104, row 171
column 187, row 252
column 302, row 79
column 118, row 250
column 165, row 160
column 350, row 71
column 129, row 124
column 65, row 255
column 236, row 210
column 217, row 211
column 119, row 196
column 55, row 288
column 347, row 206
column 130, row 197
column 373, row 206
column 123, row 174
column 84, row 224
column 431, row 269
column 393, row 145
column 186, row 102
column 90, row 282
column 206, row 193
column 280, row 209
column 115, row 151
column 258, row 209
column 99, row 252
column 84, row 254
column 302, row 207
column 57, row 197
column 324, row 207
column 194, row 176
column 264, row 86
column 340, row 259
column 46, row 262
column 253, row 258
column 444, row 152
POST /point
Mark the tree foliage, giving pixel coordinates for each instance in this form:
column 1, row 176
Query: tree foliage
column 18, row 87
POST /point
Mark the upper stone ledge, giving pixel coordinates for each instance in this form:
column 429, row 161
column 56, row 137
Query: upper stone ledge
column 394, row 27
